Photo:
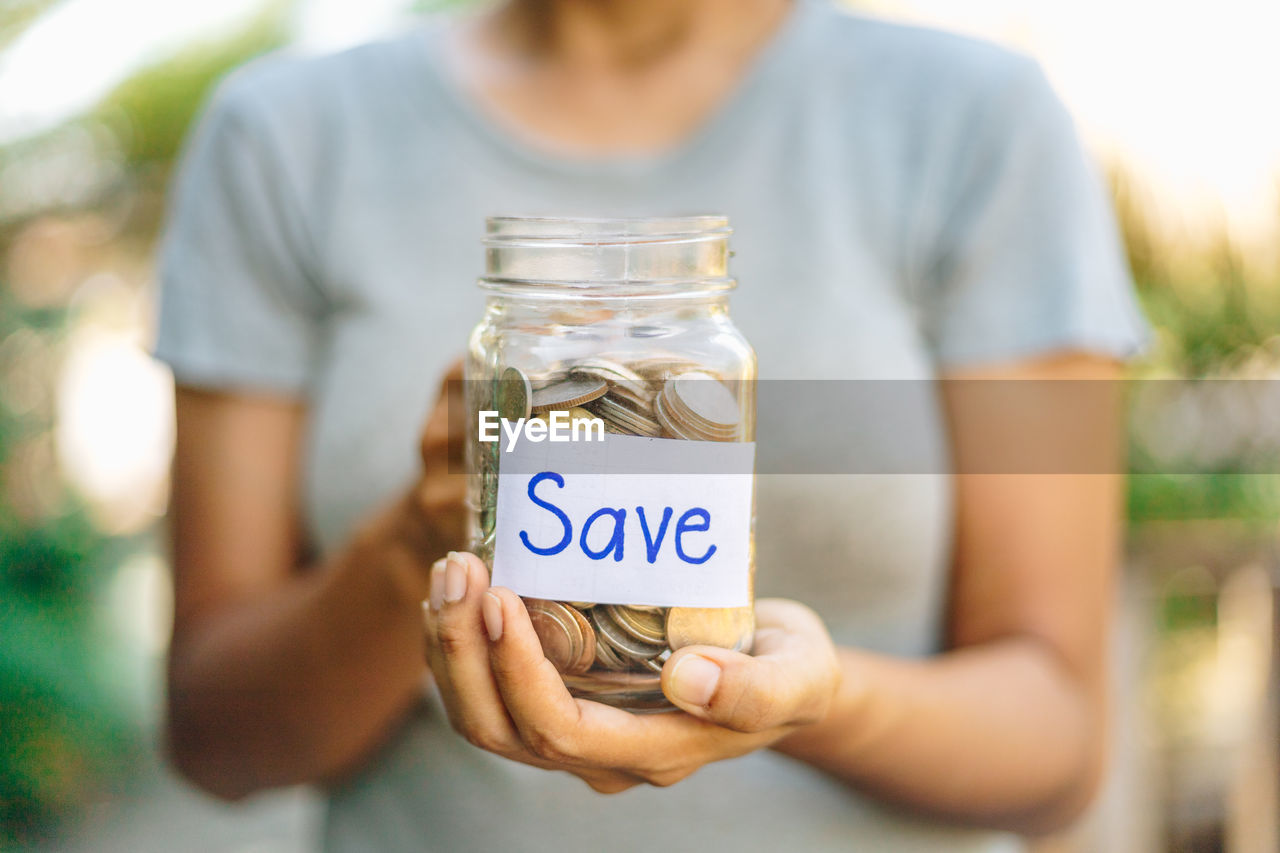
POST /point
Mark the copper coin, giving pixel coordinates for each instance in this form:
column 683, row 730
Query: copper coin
column 588, row 655
column 559, row 633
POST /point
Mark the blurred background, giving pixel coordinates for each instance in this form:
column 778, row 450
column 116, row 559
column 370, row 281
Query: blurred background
column 1176, row 100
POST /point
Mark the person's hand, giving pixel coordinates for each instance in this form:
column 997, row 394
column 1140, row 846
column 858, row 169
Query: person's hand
column 504, row 696
column 436, row 502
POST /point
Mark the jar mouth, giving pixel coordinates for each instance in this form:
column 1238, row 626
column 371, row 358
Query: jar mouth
column 593, row 231
column 581, row 257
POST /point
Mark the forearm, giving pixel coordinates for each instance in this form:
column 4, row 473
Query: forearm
column 998, row 735
column 298, row 686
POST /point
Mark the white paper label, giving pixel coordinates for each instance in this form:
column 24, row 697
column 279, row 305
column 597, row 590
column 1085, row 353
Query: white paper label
column 627, row 520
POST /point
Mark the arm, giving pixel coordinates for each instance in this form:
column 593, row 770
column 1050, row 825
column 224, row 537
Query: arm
column 1008, row 727
column 278, row 673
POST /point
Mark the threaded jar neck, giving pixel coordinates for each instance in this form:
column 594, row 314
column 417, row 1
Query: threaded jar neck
column 667, row 257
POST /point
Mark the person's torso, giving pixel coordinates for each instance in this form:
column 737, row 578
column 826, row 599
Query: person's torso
column 820, row 180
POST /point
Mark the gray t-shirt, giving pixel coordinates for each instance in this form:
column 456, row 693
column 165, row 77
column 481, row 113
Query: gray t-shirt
column 904, row 201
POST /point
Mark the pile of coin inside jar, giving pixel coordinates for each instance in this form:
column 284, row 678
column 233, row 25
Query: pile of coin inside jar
column 658, row 398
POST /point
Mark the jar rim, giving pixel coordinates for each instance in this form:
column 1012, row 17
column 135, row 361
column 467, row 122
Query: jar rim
column 607, row 257
column 594, row 231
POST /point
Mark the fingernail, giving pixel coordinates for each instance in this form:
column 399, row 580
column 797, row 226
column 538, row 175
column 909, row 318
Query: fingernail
column 694, row 680
column 491, row 609
column 455, row 578
column 437, row 584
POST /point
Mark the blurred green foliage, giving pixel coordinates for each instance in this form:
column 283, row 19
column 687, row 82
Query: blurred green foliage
column 1216, row 314
column 151, row 111
column 61, row 720
column 63, row 724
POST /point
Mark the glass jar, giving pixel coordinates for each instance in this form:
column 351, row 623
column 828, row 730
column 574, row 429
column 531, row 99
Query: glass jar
column 626, row 539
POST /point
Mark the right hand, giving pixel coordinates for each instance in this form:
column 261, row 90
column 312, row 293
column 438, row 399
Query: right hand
column 437, row 500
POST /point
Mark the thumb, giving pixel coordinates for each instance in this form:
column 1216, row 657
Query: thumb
column 790, row 681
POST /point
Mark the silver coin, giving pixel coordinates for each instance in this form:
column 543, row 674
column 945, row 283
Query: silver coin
column 623, row 416
column 608, row 630
column 669, row 425
column 617, row 375
column 568, row 393
column 609, row 658
column 683, row 423
column 655, row 664
column 705, row 399
column 647, row 626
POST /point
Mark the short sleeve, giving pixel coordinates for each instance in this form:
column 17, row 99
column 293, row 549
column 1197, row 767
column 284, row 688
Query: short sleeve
column 1027, row 257
column 239, row 307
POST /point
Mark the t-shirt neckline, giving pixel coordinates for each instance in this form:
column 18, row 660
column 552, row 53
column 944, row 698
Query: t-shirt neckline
column 781, row 50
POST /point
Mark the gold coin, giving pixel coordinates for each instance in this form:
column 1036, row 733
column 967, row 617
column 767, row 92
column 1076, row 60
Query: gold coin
column 726, row 627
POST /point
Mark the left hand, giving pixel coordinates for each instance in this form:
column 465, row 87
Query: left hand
column 504, row 696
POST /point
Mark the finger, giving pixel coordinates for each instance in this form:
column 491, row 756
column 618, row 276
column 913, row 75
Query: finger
column 789, row 681
column 602, row 781
column 459, row 657
column 552, row 723
column 442, row 440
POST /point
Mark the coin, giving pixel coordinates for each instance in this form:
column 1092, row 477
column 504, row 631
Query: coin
column 609, row 658
column 610, row 632
column 660, row 368
column 588, row 654
column 655, row 664
column 577, row 413
column 514, row 395
column 697, row 406
column 561, row 634
column 669, row 425
column 624, row 418
column 568, row 393
column 703, row 400
column 726, row 627
column 656, row 397
column 617, row 375
column 647, row 625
